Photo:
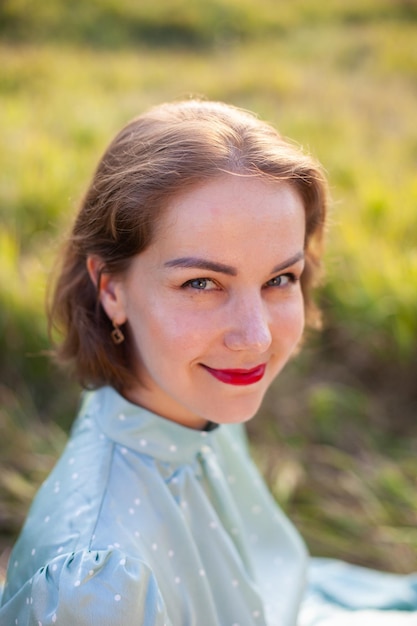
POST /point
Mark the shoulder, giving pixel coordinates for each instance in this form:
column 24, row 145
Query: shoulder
column 88, row 588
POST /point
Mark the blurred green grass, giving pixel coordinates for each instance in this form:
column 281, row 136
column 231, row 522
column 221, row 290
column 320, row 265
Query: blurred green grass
column 337, row 435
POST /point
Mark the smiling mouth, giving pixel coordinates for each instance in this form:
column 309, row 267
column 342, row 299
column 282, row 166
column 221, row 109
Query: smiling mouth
column 238, row 376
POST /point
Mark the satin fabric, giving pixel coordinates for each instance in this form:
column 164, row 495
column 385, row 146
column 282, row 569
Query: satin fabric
column 144, row 522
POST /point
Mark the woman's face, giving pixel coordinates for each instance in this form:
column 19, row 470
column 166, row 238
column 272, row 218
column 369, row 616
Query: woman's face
column 214, row 305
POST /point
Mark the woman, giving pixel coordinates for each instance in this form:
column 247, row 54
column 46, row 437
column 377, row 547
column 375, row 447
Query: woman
column 183, row 292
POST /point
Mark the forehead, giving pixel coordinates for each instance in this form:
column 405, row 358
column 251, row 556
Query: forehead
column 233, row 205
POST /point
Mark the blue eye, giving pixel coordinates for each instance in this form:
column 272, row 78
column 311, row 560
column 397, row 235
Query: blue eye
column 281, row 281
column 200, row 284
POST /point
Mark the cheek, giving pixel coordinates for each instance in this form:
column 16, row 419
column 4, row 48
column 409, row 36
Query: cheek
column 290, row 318
column 175, row 331
column 296, row 313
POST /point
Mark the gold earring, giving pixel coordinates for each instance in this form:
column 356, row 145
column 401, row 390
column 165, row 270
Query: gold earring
column 116, row 334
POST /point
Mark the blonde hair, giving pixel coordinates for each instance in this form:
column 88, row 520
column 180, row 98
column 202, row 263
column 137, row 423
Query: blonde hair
column 153, row 158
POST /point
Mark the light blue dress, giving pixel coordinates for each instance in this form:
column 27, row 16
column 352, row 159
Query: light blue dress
column 144, row 522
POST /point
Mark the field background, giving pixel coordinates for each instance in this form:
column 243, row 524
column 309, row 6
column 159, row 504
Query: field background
column 337, row 436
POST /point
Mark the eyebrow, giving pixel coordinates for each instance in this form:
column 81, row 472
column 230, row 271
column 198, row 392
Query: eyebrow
column 291, row 261
column 205, row 264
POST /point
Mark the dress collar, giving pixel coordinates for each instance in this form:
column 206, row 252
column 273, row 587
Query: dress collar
column 141, row 430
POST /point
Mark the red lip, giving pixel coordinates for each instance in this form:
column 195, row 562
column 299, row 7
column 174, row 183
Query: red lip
column 238, row 376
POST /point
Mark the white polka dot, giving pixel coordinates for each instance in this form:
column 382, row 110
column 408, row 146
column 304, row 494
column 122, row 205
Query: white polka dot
column 110, row 546
column 202, row 572
column 54, row 618
column 184, row 504
column 33, row 552
column 60, row 549
column 256, row 613
column 154, row 546
column 173, row 448
column 122, row 417
column 116, row 545
column 177, row 580
column 213, row 524
column 56, row 489
column 71, row 461
column 234, row 531
column 122, row 562
column 171, row 553
column 235, row 583
column 143, row 442
column 123, row 451
column 231, row 479
column 137, row 533
column 132, row 511
column 77, row 583
column 47, row 518
column 91, row 572
column 16, row 563
column 137, row 501
column 101, row 436
column 117, row 597
column 74, row 476
column 39, row 623
column 31, row 600
column 256, row 509
column 54, row 567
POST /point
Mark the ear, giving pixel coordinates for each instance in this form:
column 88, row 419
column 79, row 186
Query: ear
column 110, row 289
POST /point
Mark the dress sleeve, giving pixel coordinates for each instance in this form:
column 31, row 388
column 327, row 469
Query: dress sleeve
column 88, row 588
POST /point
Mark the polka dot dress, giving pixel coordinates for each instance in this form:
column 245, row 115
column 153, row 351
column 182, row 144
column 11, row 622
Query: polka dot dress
column 144, row 521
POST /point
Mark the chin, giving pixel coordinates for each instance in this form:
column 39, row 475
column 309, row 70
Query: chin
column 239, row 413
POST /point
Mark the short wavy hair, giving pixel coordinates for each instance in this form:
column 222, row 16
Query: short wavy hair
column 155, row 157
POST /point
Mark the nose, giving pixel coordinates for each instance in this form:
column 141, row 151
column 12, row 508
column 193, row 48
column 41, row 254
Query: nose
column 248, row 326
